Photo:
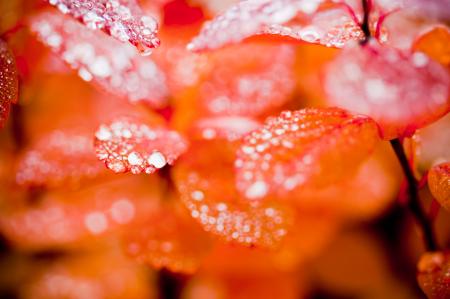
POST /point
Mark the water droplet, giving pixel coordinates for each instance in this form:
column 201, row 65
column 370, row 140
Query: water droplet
column 96, row 222
column 257, row 190
column 157, row 160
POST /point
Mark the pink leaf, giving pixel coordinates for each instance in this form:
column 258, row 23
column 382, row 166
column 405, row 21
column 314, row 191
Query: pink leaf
column 9, row 82
column 399, row 90
column 254, row 17
column 112, row 65
column 130, row 145
column 122, row 19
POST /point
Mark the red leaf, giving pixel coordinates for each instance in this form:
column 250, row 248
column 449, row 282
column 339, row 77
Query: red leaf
column 169, row 238
column 131, row 145
column 205, row 180
column 87, row 275
column 303, row 149
column 70, row 219
column 60, row 158
column 112, row 65
column 122, row 19
column 246, row 80
column 9, row 82
column 433, row 269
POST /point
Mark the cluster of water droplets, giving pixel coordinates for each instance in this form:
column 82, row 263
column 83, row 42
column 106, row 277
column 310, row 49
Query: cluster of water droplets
column 248, row 18
column 122, row 19
column 112, row 65
column 330, row 28
column 264, row 225
column 9, row 82
column 206, row 186
column 126, row 145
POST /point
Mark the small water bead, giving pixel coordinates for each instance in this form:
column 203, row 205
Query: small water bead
column 116, row 166
column 132, row 146
column 122, row 211
column 157, row 160
column 123, row 20
column 96, row 222
column 420, row 59
column 135, row 158
column 256, row 190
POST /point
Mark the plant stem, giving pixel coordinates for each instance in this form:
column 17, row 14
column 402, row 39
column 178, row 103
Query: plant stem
column 367, row 7
column 414, row 200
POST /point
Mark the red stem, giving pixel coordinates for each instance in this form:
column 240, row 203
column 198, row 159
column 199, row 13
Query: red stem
column 367, row 8
column 17, row 27
column 414, row 200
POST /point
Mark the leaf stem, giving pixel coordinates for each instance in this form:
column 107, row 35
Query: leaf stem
column 367, row 7
column 414, row 200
